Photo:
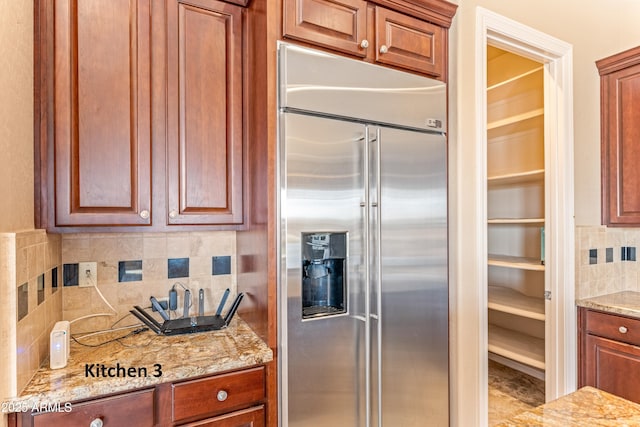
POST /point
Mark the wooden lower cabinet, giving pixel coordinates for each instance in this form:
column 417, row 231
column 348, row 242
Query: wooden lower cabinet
column 232, row 399
column 252, row 417
column 220, row 394
column 609, row 356
column 134, row 409
column 613, row 367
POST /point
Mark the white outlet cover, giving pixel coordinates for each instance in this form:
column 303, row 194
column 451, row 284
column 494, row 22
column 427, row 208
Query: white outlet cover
column 87, row 274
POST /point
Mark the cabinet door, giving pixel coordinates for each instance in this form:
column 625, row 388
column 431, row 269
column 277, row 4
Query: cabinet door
column 204, row 118
column 252, row 417
column 335, row 24
column 612, row 366
column 621, row 147
column 407, row 42
column 102, row 134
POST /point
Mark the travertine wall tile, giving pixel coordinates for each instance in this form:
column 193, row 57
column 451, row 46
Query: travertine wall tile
column 178, row 245
column 154, row 246
column 107, row 272
column 606, row 277
column 35, row 254
column 154, row 269
column 153, row 250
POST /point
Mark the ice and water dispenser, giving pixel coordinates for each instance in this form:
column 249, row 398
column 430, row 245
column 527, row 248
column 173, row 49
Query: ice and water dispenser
column 324, row 289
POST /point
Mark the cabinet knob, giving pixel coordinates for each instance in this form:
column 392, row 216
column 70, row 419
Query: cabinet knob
column 222, row 396
column 384, row 49
column 364, row 43
column 623, row 330
column 96, row 423
column 173, row 214
column 144, row 214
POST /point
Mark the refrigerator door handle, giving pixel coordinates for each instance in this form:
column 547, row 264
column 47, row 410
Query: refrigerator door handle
column 374, row 286
column 377, row 285
column 367, row 278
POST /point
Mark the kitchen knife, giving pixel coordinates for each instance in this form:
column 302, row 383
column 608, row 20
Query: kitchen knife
column 222, row 302
column 187, row 303
column 233, row 309
column 159, row 309
column 201, row 302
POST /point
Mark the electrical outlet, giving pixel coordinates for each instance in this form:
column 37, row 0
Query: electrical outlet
column 87, row 274
column 164, row 303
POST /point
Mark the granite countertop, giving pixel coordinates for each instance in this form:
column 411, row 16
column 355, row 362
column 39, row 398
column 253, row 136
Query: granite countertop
column 166, row 359
column 585, row 407
column 626, row 303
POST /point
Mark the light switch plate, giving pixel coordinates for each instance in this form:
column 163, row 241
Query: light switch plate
column 87, row 274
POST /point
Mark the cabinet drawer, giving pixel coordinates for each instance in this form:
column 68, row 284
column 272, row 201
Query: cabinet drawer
column 132, row 409
column 614, row 327
column 222, row 393
column 252, row 417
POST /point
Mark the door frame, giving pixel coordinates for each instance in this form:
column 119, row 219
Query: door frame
column 556, row 55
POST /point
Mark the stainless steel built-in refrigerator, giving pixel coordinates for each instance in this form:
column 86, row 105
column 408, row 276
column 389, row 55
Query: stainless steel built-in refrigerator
column 363, row 244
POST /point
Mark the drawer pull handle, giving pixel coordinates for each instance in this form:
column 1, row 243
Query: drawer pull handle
column 222, row 396
column 144, row 214
column 364, row 44
column 623, row 330
column 384, row 49
column 96, row 423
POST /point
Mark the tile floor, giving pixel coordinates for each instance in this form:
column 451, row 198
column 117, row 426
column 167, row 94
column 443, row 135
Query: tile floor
column 510, row 392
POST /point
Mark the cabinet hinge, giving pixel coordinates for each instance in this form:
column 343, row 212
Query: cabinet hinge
column 547, row 295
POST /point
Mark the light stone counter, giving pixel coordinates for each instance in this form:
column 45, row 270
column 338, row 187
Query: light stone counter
column 165, row 358
column 585, row 407
column 626, row 303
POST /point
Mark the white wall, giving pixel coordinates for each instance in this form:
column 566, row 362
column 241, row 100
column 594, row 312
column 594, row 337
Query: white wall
column 16, row 115
column 596, row 29
column 16, row 129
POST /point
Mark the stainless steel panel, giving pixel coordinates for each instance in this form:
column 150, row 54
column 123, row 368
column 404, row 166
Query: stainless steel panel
column 414, row 285
column 383, row 182
column 322, row 190
column 324, row 83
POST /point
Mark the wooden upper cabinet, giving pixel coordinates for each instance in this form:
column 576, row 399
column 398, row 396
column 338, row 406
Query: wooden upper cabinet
column 406, row 34
column 102, row 137
column 139, row 126
column 407, row 42
column 335, row 24
column 204, row 117
column 620, row 138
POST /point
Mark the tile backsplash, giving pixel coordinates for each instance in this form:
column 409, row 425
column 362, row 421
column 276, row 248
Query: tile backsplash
column 131, row 267
column 606, row 260
column 30, row 267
